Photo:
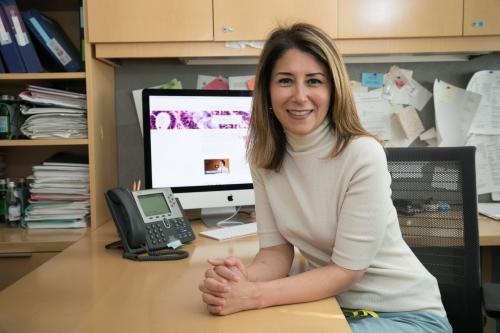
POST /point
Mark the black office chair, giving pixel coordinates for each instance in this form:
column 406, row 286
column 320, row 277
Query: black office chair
column 434, row 191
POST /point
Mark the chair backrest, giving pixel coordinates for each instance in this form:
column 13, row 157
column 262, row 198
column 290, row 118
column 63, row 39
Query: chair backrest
column 434, row 191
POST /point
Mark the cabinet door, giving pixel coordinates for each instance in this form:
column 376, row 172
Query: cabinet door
column 481, row 17
column 397, row 18
column 253, row 20
column 14, row 267
column 149, row 20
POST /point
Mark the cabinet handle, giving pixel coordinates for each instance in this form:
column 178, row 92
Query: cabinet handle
column 478, row 24
column 16, row 255
column 227, row 29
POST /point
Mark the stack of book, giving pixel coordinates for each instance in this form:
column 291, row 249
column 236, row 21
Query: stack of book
column 59, row 193
column 56, row 113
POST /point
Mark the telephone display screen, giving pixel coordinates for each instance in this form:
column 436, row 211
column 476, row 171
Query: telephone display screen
column 153, row 204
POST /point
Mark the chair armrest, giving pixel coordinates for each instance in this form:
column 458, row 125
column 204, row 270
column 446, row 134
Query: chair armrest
column 491, row 298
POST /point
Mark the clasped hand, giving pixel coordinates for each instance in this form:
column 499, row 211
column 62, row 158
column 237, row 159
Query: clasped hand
column 226, row 288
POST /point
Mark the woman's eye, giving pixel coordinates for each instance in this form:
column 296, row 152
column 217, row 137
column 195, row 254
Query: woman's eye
column 284, row 81
column 314, row 82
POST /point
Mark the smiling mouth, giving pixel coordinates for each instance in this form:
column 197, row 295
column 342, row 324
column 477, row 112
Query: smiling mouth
column 299, row 113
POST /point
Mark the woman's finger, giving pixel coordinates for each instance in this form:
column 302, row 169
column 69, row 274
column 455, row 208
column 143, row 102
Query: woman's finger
column 210, row 273
column 210, row 299
column 216, row 261
column 216, row 286
column 227, row 273
column 214, row 309
column 234, row 261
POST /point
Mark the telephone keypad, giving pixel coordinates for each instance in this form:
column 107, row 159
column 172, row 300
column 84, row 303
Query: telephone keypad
column 159, row 233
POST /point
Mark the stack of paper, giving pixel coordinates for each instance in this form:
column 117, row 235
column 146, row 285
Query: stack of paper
column 58, row 113
column 490, row 209
column 59, row 194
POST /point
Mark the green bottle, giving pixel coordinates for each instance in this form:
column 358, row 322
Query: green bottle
column 3, row 193
column 4, row 121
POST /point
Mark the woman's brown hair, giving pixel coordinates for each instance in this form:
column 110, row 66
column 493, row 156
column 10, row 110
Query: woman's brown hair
column 267, row 140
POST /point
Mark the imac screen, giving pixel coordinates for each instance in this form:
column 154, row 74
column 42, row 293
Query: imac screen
column 195, row 142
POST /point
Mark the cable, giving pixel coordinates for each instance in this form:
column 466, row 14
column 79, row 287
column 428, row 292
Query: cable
column 227, row 223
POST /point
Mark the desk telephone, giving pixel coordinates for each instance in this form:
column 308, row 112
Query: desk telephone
column 149, row 221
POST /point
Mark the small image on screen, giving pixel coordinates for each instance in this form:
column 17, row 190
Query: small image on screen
column 214, row 166
column 153, row 204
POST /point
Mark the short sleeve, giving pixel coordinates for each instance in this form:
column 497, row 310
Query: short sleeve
column 267, row 229
column 366, row 209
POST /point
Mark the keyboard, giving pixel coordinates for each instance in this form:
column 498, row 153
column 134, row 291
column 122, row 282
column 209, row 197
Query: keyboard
column 237, row 231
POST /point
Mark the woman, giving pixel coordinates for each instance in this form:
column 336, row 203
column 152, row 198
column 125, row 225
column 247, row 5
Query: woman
column 322, row 185
column 221, row 167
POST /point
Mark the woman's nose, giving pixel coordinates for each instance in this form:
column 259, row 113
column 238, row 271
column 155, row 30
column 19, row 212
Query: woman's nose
column 300, row 93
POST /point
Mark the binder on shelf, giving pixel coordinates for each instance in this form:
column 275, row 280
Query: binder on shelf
column 82, row 32
column 21, row 36
column 8, row 47
column 54, row 42
column 2, row 67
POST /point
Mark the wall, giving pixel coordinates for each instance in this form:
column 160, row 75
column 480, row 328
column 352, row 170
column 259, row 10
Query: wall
column 136, row 74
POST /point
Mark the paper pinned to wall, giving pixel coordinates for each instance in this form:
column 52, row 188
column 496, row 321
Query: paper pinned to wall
column 239, row 82
column 357, row 87
column 454, row 111
column 374, row 113
column 410, row 122
column 399, row 137
column 401, row 88
column 429, row 137
column 203, row 80
column 487, row 162
column 487, row 119
column 219, row 83
column 137, row 96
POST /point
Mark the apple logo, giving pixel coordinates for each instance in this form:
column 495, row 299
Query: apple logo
column 230, row 197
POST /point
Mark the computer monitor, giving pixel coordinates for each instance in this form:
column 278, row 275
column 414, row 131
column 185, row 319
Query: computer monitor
column 195, row 143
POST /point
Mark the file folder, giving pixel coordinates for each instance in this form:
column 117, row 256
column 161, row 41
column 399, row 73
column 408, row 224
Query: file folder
column 53, row 41
column 21, row 36
column 8, row 47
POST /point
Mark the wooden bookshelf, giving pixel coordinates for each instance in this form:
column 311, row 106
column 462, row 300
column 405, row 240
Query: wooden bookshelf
column 41, row 76
column 47, row 142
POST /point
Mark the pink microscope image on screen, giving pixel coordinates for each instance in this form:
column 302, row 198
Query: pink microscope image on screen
column 214, row 119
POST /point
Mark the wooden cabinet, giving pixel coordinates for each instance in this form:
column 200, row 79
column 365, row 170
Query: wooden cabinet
column 21, row 250
column 396, row 18
column 253, row 20
column 149, row 21
column 15, row 265
column 481, row 17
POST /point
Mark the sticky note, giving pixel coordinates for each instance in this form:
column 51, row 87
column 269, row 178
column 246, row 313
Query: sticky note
column 219, row 83
column 372, row 80
column 175, row 244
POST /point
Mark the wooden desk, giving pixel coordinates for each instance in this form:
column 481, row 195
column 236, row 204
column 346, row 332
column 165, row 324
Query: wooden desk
column 89, row 289
column 489, row 231
column 489, row 238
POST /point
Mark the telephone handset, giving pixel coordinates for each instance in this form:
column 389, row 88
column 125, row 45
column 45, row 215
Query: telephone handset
column 149, row 221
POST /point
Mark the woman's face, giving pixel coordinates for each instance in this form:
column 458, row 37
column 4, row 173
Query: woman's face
column 300, row 92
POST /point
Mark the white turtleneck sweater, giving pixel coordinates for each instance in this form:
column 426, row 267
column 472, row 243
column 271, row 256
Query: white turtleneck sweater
column 340, row 210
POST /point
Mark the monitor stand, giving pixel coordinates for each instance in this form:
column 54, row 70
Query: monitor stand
column 212, row 216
